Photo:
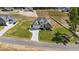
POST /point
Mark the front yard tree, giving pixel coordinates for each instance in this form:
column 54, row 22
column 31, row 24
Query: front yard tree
column 61, row 38
column 78, row 10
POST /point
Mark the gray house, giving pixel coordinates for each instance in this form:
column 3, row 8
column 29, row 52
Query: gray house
column 4, row 19
column 41, row 23
column 2, row 22
column 28, row 9
column 7, row 9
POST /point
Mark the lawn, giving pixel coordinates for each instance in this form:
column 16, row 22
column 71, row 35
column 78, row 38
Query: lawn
column 47, row 36
column 1, row 27
column 21, row 29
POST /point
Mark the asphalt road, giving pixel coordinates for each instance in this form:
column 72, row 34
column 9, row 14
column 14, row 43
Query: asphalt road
column 48, row 46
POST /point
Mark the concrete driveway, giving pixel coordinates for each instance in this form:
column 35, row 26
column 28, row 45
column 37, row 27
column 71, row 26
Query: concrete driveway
column 6, row 28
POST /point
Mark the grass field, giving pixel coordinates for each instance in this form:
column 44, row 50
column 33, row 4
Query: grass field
column 45, row 35
column 21, row 29
column 48, row 35
column 1, row 27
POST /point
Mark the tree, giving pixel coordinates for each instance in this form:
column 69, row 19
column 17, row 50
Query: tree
column 78, row 10
column 73, row 16
column 61, row 38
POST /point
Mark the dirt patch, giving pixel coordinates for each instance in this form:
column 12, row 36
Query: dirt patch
column 42, row 13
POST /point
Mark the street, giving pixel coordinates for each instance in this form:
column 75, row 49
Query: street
column 49, row 46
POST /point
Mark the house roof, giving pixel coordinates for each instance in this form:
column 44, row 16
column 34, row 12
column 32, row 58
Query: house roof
column 42, row 19
column 41, row 23
column 6, row 17
column 2, row 22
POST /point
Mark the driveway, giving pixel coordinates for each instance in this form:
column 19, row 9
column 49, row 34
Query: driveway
column 35, row 35
column 6, row 28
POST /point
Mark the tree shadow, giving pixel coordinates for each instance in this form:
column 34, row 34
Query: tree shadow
column 61, row 38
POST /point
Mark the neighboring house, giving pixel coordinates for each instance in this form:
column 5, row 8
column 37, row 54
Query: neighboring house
column 28, row 9
column 2, row 22
column 64, row 9
column 41, row 23
column 6, row 19
column 60, row 9
column 7, row 9
column 16, row 8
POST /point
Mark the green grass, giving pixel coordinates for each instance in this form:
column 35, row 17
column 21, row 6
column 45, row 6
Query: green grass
column 21, row 29
column 62, row 30
column 45, row 35
column 1, row 27
column 48, row 35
